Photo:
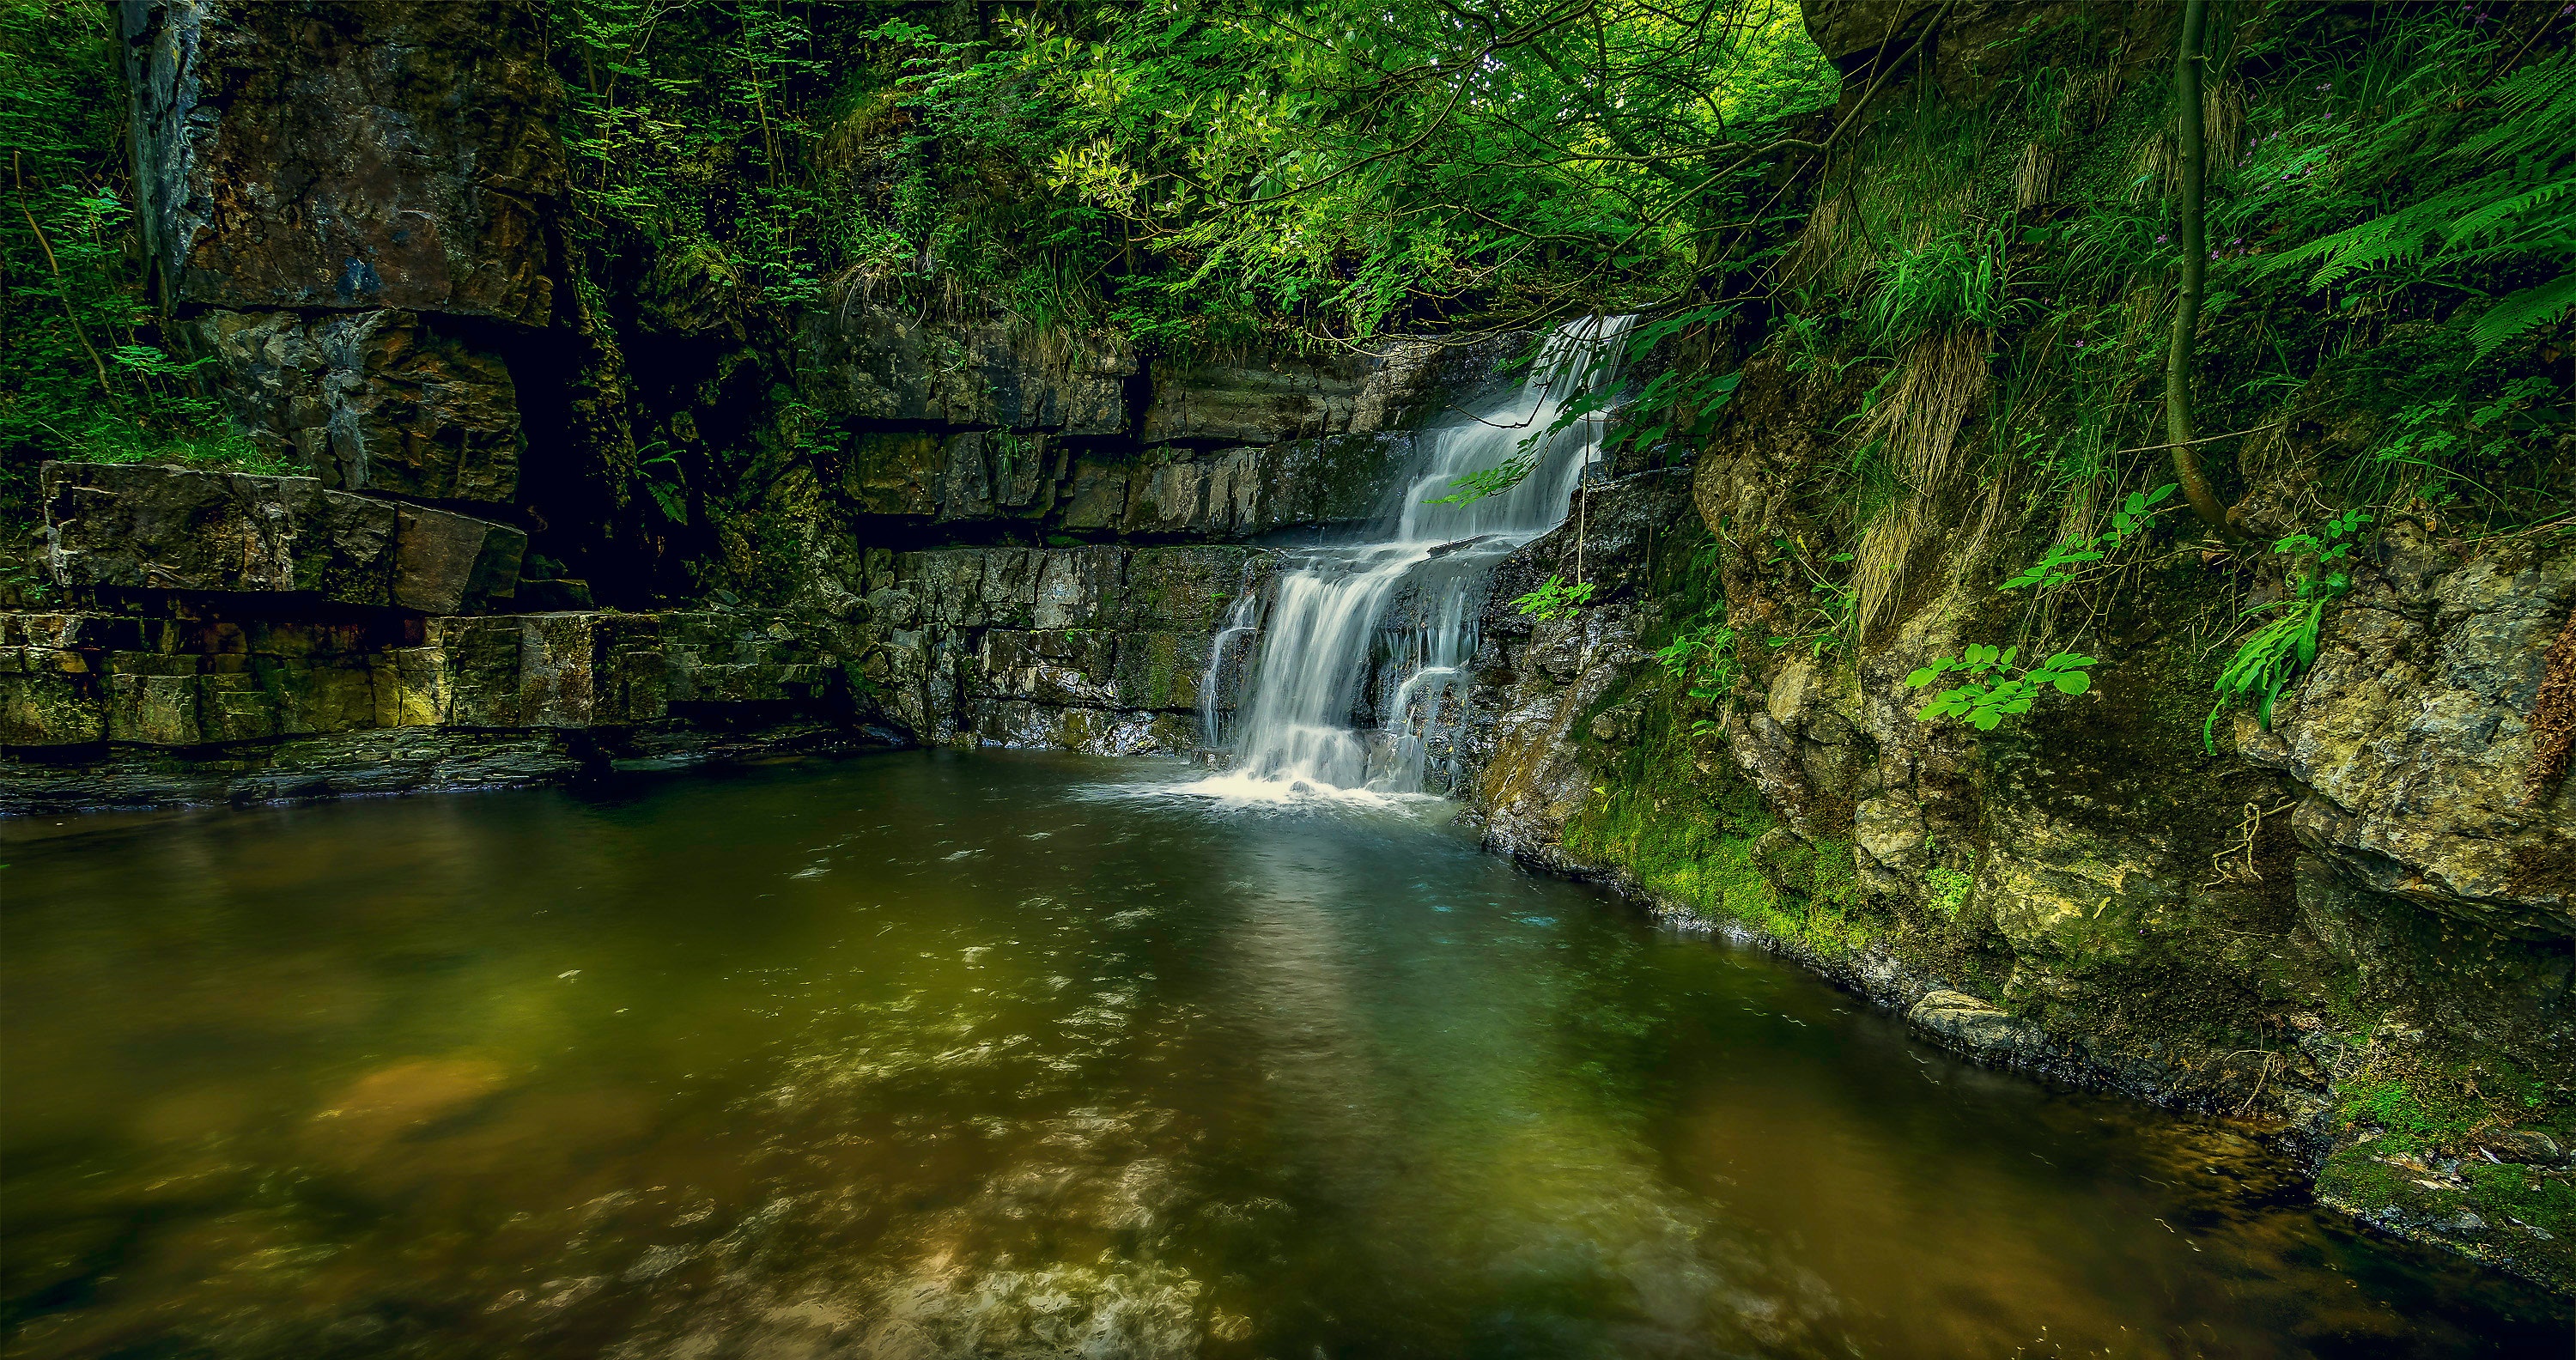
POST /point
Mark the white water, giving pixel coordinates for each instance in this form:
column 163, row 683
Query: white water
column 1328, row 629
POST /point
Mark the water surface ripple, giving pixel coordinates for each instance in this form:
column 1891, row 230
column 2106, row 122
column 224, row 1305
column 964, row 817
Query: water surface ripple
column 936, row 1055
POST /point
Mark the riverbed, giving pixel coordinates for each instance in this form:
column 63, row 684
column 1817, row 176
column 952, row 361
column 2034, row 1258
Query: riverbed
column 931, row 1054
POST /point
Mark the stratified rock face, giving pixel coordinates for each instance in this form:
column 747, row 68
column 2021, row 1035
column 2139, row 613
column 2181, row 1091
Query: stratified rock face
column 1098, row 649
column 133, row 527
column 1274, row 398
column 348, row 155
column 869, row 363
column 210, row 680
column 380, row 400
column 2411, row 737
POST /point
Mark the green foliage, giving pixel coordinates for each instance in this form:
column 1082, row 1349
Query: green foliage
column 1555, row 599
column 2280, row 651
column 1984, row 703
column 2491, row 166
column 88, row 375
column 2068, row 562
column 1701, row 657
column 1951, row 888
column 1954, row 280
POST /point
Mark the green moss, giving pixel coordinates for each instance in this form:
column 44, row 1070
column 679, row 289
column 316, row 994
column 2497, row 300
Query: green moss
column 1688, row 829
column 1950, row 889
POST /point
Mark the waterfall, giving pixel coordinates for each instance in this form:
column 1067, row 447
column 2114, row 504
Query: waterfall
column 1400, row 603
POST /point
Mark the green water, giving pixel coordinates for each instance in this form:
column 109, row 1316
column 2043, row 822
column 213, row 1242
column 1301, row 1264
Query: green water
column 925, row 1055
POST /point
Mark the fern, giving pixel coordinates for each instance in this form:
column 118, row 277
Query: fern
column 2519, row 313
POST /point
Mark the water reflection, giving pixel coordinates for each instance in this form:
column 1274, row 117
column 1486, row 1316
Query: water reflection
column 930, row 1055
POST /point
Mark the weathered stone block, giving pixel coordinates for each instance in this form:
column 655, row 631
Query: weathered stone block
column 878, row 364
column 1185, row 588
column 381, row 400
column 159, row 528
column 1050, row 667
column 139, row 527
column 539, row 670
column 405, row 157
column 894, row 472
column 1268, row 399
column 1161, row 670
column 1099, row 496
column 48, row 698
column 1079, row 588
column 447, row 563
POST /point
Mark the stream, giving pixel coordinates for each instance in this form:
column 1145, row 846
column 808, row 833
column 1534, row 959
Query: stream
column 931, row 1054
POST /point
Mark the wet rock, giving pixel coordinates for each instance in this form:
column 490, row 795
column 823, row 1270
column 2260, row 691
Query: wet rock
column 1973, row 1024
column 403, row 1099
column 1054, row 668
column 1187, row 589
column 380, row 400
column 406, row 157
column 2410, row 735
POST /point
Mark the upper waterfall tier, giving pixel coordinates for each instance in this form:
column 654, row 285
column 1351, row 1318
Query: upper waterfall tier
column 1326, row 649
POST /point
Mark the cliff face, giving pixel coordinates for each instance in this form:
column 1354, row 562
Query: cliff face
column 2353, row 921
column 488, row 565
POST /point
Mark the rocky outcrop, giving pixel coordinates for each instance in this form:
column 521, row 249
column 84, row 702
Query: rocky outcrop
column 1013, row 479
column 380, row 400
column 1274, row 398
column 875, row 364
column 2410, row 739
column 355, row 238
column 1097, row 649
column 406, row 156
column 112, row 527
column 217, row 702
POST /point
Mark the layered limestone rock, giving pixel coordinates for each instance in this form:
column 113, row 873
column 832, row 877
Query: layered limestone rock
column 355, row 237
column 117, row 709
column 118, row 527
column 873, row 363
column 1099, row 649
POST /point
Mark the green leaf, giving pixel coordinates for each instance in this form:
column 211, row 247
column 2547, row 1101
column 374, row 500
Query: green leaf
column 2073, row 682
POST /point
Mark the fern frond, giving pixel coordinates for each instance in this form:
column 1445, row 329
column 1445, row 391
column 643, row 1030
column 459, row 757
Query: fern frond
column 2519, row 313
column 2397, row 238
column 2470, row 226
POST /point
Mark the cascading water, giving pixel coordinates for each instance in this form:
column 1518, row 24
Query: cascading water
column 1328, row 624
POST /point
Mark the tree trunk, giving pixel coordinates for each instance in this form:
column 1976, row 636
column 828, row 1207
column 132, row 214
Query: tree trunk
column 2180, row 359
